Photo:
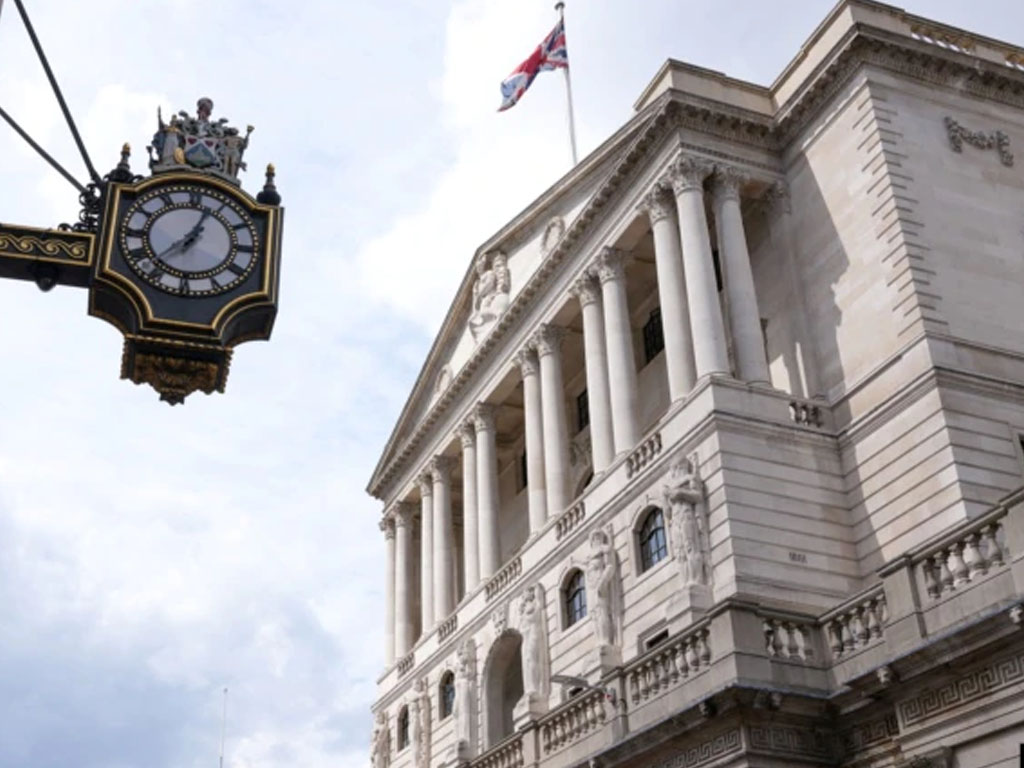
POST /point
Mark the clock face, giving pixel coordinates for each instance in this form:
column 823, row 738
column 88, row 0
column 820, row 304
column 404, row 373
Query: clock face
column 189, row 240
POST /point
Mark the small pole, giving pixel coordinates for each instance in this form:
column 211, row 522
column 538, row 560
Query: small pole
column 223, row 719
column 560, row 7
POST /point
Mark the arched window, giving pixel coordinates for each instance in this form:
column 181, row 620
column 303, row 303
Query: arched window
column 574, row 595
column 446, row 698
column 403, row 728
column 653, row 547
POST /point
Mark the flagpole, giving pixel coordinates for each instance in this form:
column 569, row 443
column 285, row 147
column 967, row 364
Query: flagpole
column 560, row 7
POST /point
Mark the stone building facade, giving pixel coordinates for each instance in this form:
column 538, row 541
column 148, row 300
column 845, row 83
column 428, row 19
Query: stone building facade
column 717, row 457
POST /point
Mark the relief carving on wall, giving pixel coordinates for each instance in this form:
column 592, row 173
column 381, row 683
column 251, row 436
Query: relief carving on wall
column 536, row 665
column 419, row 715
column 996, row 140
column 490, row 293
column 465, row 699
column 688, row 525
column 604, row 590
column 443, row 380
column 380, row 744
column 552, row 234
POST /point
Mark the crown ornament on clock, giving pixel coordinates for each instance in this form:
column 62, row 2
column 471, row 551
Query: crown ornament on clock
column 199, row 143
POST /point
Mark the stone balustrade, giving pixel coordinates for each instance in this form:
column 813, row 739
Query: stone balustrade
column 805, row 413
column 507, row 754
column 405, row 664
column 668, row 664
column 856, row 623
column 503, row 578
column 951, row 39
column 447, row 627
column 569, row 519
column 643, row 455
column 963, row 556
column 573, row 720
column 788, row 638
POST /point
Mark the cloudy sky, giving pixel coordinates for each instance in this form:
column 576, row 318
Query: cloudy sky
column 151, row 556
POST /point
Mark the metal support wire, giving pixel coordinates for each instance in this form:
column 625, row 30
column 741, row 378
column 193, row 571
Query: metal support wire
column 57, row 92
column 45, row 155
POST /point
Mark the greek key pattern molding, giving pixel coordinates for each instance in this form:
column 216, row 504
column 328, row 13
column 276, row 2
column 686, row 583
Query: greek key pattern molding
column 789, row 739
column 705, row 752
column 869, row 734
column 1000, row 674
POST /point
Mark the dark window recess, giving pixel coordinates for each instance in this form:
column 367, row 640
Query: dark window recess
column 657, row 639
column 522, row 471
column 447, row 702
column 718, row 269
column 654, row 339
column 403, row 728
column 653, row 548
column 574, row 692
column 582, row 411
column 764, row 336
column 575, row 599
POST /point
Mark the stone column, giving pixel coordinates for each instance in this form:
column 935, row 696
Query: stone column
column 709, row 349
column 487, row 489
column 619, row 337
column 388, row 526
column 556, row 431
column 403, row 591
column 470, row 528
column 744, row 318
column 444, row 545
column 532, row 413
column 588, row 292
column 675, row 314
column 427, row 615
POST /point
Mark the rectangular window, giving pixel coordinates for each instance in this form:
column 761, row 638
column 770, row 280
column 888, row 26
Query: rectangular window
column 582, row 411
column 522, row 479
column 657, row 639
column 654, row 340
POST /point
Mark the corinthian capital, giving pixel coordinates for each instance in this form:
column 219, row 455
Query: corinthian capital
column 727, row 181
column 549, row 339
column 776, row 199
column 467, row 434
column 483, row 417
column 425, row 483
column 441, row 468
column 586, row 288
column 610, row 264
column 658, row 203
column 689, row 172
column 387, row 525
column 402, row 513
column 526, row 359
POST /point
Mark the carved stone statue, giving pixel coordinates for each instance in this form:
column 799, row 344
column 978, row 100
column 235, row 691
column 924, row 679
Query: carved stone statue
column 532, row 626
column 419, row 715
column 465, row 685
column 380, row 747
column 490, row 293
column 198, row 142
column 688, row 527
column 604, row 589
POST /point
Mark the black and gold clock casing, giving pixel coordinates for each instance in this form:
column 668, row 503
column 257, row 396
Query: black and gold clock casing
column 187, row 268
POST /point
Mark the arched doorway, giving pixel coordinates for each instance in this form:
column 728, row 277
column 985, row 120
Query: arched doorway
column 503, row 686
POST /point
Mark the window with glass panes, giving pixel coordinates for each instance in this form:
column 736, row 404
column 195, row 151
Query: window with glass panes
column 653, row 546
column 575, row 598
column 654, row 339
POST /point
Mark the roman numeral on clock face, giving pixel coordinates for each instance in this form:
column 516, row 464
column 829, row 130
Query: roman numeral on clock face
column 183, row 286
column 195, row 198
column 245, row 248
column 137, row 253
column 232, row 267
column 168, row 202
column 133, row 232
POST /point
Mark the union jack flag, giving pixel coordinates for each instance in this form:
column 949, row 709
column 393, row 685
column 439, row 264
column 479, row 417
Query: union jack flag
column 550, row 54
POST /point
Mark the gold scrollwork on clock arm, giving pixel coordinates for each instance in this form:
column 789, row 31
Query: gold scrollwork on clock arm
column 27, row 244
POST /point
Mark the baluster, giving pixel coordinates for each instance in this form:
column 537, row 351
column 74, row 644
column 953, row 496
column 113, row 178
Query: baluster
column 844, row 623
column 792, row 649
column 806, row 645
column 645, row 683
column 691, row 654
column 680, row 653
column 945, row 574
column 769, row 639
column 957, row 564
column 672, row 652
column 705, row 647
column 976, row 565
column 560, row 740
column 931, row 581
column 995, row 552
column 861, row 633
column 835, row 635
column 871, row 625
column 666, row 668
column 634, row 687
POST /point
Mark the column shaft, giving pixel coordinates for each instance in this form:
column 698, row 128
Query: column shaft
column 444, row 545
column 388, row 526
column 487, row 490
column 744, row 317
column 595, row 357
column 470, row 529
column 556, row 431
column 619, row 337
column 427, row 615
column 403, row 592
column 675, row 314
column 709, row 349
column 537, row 502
